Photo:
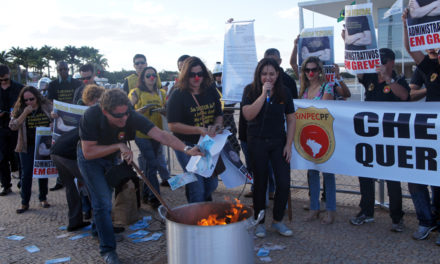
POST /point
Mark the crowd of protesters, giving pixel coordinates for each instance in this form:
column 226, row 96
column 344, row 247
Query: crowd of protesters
column 143, row 109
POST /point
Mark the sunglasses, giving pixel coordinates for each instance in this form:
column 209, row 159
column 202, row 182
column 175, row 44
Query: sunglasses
column 29, row 99
column 139, row 63
column 149, row 75
column 307, row 70
column 120, row 115
column 4, row 80
column 194, row 74
column 85, row 78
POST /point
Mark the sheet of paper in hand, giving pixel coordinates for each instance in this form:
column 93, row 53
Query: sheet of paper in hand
column 204, row 166
column 181, row 180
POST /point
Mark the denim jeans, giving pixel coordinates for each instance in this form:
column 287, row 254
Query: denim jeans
column 200, row 190
column 330, row 188
column 162, row 165
column 422, row 204
column 93, row 172
column 149, row 149
column 27, row 165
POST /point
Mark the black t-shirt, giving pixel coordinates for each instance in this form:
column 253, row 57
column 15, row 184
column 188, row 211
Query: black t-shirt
column 269, row 123
column 418, row 77
column 354, row 25
column 290, row 84
column 431, row 69
column 182, row 108
column 65, row 145
column 94, row 126
column 63, row 91
column 35, row 119
column 375, row 91
column 8, row 97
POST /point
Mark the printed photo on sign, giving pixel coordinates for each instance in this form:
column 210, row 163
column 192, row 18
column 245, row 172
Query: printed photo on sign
column 318, row 42
column 423, row 24
column 361, row 53
column 68, row 116
column 43, row 165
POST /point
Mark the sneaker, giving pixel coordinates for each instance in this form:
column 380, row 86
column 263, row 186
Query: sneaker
column 422, row 232
column 398, row 227
column 282, row 229
column 5, row 191
column 361, row 219
column 111, row 258
column 260, row 231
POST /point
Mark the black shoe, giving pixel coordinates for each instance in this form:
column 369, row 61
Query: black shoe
column 111, row 258
column 118, row 229
column 154, row 203
column 74, row 228
column 165, row 184
column 5, row 191
column 88, row 215
column 57, row 187
column 23, row 209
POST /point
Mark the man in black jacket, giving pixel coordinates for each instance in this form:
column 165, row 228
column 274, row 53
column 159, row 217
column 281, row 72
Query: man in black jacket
column 8, row 139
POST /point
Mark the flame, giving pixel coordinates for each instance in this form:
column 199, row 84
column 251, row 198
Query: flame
column 232, row 216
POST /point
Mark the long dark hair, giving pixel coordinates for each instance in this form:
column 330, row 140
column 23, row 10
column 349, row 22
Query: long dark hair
column 141, row 81
column 20, row 105
column 255, row 88
column 183, row 82
column 303, row 78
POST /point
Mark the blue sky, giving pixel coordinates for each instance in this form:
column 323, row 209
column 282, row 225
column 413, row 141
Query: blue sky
column 162, row 30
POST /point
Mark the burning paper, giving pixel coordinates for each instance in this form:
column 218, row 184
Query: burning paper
column 233, row 215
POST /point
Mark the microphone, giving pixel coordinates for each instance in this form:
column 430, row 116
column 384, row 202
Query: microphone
column 268, row 95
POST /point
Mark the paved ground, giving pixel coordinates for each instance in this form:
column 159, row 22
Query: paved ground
column 311, row 243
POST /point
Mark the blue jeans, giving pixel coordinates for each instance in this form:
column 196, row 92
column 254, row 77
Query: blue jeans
column 422, row 204
column 330, row 190
column 200, row 190
column 27, row 165
column 162, row 165
column 149, row 149
column 93, row 172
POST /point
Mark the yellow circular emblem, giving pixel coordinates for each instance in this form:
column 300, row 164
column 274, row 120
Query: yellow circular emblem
column 434, row 76
column 371, row 87
column 386, row 89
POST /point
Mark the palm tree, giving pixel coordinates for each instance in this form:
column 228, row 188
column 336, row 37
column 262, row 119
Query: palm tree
column 5, row 57
column 72, row 54
column 17, row 55
column 58, row 55
column 99, row 62
column 46, row 55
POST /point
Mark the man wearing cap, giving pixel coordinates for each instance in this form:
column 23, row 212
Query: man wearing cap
column 9, row 92
column 384, row 85
column 428, row 67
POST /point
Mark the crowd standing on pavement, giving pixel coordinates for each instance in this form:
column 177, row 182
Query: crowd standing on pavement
column 193, row 107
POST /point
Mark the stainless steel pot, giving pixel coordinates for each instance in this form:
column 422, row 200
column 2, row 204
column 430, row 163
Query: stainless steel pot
column 189, row 243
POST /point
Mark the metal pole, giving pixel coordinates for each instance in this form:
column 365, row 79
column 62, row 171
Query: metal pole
column 301, row 19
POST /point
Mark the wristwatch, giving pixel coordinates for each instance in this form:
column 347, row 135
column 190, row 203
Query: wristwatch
column 185, row 150
column 391, row 81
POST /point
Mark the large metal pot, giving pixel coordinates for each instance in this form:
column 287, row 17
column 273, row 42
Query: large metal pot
column 189, row 243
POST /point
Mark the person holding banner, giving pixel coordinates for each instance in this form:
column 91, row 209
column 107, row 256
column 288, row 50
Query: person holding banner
column 147, row 98
column 384, row 86
column 31, row 110
column 194, row 110
column 428, row 66
column 267, row 105
column 315, row 87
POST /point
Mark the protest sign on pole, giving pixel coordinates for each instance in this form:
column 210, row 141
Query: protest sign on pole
column 68, row 117
column 239, row 59
column 361, row 52
column 423, row 23
column 318, row 42
column 384, row 140
column 43, row 165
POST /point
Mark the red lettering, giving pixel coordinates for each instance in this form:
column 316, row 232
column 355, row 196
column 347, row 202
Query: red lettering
column 429, row 39
column 359, row 65
column 436, row 38
column 52, row 171
column 330, row 77
column 347, row 64
column 371, row 64
column 420, row 40
column 39, row 171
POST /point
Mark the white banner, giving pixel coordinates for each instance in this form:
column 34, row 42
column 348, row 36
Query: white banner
column 423, row 24
column 239, row 59
column 383, row 140
column 361, row 52
column 43, row 165
column 68, row 117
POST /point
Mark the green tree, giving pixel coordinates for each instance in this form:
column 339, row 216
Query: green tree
column 5, row 57
column 17, row 56
column 46, row 55
column 72, row 54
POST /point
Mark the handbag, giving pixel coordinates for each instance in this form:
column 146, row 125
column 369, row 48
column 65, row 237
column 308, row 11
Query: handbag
column 119, row 174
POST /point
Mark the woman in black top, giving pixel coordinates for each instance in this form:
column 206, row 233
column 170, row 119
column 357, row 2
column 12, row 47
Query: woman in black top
column 194, row 110
column 31, row 110
column 266, row 106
